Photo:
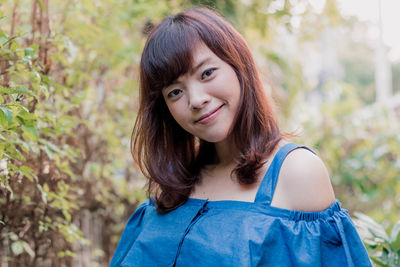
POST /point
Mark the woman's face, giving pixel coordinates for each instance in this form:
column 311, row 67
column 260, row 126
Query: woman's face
column 205, row 100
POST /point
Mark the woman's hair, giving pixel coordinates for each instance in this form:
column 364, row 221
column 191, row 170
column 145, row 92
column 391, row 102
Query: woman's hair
column 170, row 157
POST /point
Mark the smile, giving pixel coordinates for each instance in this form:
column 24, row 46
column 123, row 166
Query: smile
column 209, row 116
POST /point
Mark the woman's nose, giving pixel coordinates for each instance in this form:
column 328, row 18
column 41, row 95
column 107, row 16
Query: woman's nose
column 198, row 97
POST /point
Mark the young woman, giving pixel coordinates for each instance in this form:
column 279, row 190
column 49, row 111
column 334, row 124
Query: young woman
column 223, row 188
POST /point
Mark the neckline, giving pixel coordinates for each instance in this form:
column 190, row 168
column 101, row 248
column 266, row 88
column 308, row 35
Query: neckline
column 265, row 209
column 265, row 192
column 265, row 181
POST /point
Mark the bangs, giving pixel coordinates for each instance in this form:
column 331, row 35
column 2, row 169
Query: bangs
column 168, row 53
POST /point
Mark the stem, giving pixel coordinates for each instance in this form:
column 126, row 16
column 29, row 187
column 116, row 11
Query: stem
column 33, row 21
column 13, row 21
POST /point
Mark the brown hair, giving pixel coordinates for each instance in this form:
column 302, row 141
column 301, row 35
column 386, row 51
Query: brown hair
column 170, row 157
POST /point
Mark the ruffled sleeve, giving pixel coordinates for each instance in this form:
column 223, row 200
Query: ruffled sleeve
column 327, row 237
column 131, row 231
column 356, row 253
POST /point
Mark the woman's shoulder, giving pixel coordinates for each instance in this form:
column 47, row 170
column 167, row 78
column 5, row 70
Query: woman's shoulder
column 303, row 183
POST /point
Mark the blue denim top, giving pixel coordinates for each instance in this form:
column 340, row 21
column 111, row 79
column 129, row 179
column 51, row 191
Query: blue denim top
column 238, row 233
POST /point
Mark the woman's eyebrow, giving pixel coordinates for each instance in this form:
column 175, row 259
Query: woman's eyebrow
column 201, row 63
column 192, row 70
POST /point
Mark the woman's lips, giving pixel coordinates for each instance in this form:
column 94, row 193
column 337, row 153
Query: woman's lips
column 209, row 116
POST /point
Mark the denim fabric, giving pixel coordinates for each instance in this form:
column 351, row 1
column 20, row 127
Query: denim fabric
column 237, row 233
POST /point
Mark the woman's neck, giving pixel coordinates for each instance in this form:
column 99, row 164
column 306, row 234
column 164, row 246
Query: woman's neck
column 227, row 152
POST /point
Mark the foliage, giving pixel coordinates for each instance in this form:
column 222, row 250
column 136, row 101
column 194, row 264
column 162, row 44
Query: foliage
column 360, row 146
column 383, row 247
column 359, row 71
column 29, row 133
column 58, row 141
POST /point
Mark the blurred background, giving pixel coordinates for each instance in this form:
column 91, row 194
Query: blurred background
column 69, row 95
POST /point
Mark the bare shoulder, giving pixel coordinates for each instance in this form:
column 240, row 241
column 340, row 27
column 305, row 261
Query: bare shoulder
column 303, row 183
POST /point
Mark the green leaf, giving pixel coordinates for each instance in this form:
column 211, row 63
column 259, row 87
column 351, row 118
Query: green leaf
column 43, row 192
column 29, row 51
column 17, row 248
column 8, row 114
column 48, row 152
column 24, row 145
column 66, row 214
column 13, row 236
column 378, row 261
column 46, row 188
column 27, row 200
column 30, row 132
column 28, row 249
column 373, row 227
column 69, row 253
column 3, row 120
column 35, row 76
column 395, row 236
column 22, row 90
column 3, row 39
column 28, row 172
column 27, row 117
column 385, row 255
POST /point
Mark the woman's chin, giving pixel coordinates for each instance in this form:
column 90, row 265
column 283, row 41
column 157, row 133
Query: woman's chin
column 215, row 138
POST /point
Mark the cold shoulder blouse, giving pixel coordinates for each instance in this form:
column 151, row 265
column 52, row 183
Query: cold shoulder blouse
column 236, row 233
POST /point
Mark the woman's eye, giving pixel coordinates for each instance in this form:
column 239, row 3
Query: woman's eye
column 174, row 93
column 207, row 73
